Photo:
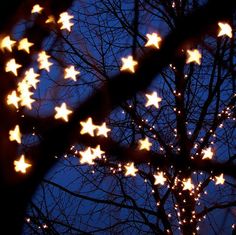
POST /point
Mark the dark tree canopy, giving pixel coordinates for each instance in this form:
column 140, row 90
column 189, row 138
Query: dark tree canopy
column 118, row 117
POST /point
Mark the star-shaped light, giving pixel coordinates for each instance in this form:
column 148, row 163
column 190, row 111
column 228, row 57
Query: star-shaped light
column 102, row 130
column 43, row 61
column 88, row 127
column 153, row 99
column 7, row 43
column 50, row 19
column 36, row 9
column 70, row 72
column 159, row 178
column 130, row 169
column 13, row 99
column 25, row 45
column 15, row 135
column 207, row 153
column 12, row 66
column 87, row 156
column 30, row 78
column 145, row 144
column 62, row 112
column 188, row 184
column 220, row 179
column 194, row 56
column 65, row 21
column 128, row 64
column 21, row 165
column 26, row 99
column 225, row 29
column 153, row 40
column 97, row 152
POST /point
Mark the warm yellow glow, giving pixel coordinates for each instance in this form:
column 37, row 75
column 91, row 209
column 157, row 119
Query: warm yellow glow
column 43, row 61
column 225, row 29
column 87, row 156
column 7, row 43
column 194, row 56
column 50, row 19
column 188, row 184
column 30, row 78
column 207, row 153
column 62, row 112
column 130, row 169
column 88, row 127
column 21, row 165
column 70, row 72
column 128, row 64
column 153, row 99
column 12, row 66
column 220, row 179
column 97, row 152
column 145, row 144
column 25, row 45
column 65, row 21
column 153, row 40
column 13, row 99
column 102, row 130
column 15, row 135
column 36, row 9
column 159, row 178
column 26, row 99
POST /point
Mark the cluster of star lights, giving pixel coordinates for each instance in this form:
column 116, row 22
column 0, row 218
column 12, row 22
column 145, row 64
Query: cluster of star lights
column 22, row 96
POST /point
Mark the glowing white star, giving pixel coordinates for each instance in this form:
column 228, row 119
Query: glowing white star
column 102, row 130
column 207, row 153
column 36, row 9
column 194, row 56
column 70, row 72
column 153, row 40
column 159, row 178
column 25, row 45
column 15, row 135
column 225, row 29
column 12, row 66
column 87, row 156
column 30, row 78
column 128, row 64
column 130, row 169
column 44, row 63
column 97, row 152
column 153, row 99
column 88, row 127
column 188, row 184
column 62, row 112
column 21, row 165
column 145, row 144
column 65, row 21
column 7, row 43
column 13, row 99
column 220, row 179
